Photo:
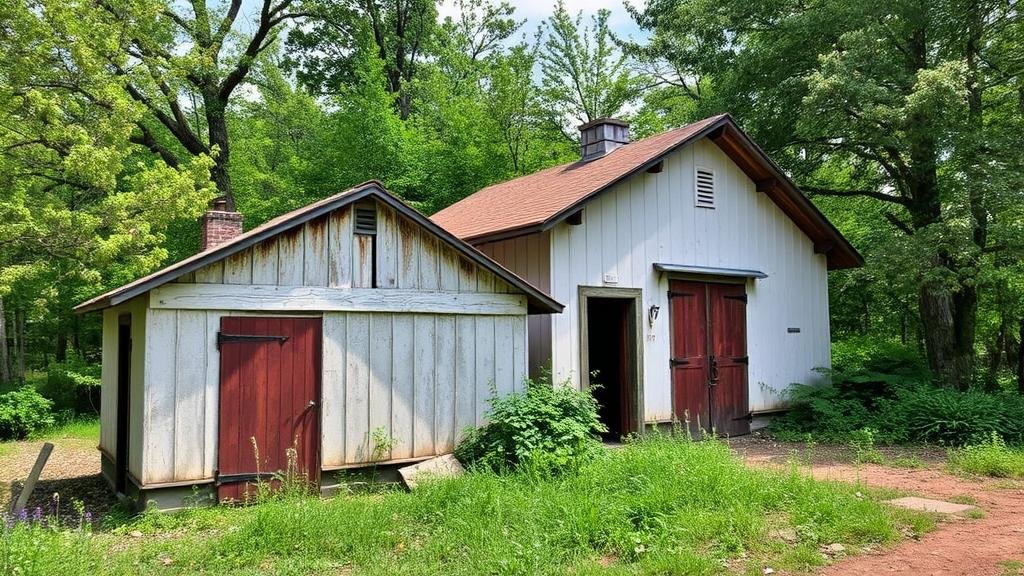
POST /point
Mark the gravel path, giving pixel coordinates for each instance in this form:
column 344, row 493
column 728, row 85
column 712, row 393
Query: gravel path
column 72, row 471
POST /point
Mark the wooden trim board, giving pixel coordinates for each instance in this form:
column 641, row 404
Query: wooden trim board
column 267, row 298
column 635, row 326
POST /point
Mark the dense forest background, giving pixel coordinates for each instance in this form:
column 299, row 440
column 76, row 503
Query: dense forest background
column 121, row 119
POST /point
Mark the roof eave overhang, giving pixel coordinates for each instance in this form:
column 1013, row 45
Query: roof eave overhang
column 770, row 179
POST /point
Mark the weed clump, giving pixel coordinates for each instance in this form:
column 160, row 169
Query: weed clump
column 989, row 458
column 547, row 429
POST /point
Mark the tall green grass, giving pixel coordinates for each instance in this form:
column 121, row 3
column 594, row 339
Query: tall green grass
column 990, row 458
column 86, row 428
column 657, row 506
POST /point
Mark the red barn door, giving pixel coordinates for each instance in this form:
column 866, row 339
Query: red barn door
column 727, row 320
column 709, row 356
column 269, row 396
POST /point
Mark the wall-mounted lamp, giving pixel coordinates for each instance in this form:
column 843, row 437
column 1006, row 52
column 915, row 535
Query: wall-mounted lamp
column 652, row 314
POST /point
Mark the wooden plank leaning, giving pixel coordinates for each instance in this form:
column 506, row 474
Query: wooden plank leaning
column 33, row 477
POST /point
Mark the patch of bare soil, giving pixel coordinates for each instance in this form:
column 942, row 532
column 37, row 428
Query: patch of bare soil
column 958, row 546
column 73, row 472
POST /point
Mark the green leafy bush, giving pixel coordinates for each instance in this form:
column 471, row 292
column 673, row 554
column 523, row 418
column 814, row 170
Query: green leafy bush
column 73, row 385
column 23, row 412
column 944, row 416
column 989, row 458
column 886, row 388
column 827, row 412
column 549, row 429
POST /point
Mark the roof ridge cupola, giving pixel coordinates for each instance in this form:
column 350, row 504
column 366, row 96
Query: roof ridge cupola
column 602, row 135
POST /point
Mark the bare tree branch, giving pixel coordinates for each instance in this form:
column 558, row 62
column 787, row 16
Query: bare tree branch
column 853, row 193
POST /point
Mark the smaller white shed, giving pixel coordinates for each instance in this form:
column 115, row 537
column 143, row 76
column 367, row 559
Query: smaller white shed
column 353, row 330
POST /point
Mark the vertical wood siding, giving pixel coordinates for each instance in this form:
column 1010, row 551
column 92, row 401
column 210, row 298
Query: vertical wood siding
column 182, row 387
column 530, row 258
column 652, row 218
column 325, row 252
column 421, row 378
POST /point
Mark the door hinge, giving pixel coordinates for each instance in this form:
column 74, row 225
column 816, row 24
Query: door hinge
column 679, row 294
column 246, row 477
column 675, row 362
column 742, row 360
column 223, row 338
column 740, row 297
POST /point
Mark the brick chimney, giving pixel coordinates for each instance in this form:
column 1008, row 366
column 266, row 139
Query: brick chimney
column 601, row 136
column 219, row 224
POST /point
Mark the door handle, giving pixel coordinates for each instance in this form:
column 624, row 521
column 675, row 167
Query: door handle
column 713, row 364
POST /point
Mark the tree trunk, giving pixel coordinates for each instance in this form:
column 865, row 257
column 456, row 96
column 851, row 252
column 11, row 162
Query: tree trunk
column 61, row 350
column 936, row 305
column 1020, row 357
column 965, row 300
column 76, row 335
column 217, row 129
column 5, row 367
column 995, row 355
column 965, row 319
column 18, row 365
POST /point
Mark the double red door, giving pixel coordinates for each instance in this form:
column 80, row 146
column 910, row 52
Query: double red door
column 269, row 395
column 709, row 356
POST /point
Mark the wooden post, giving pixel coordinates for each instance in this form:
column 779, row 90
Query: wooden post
column 33, row 477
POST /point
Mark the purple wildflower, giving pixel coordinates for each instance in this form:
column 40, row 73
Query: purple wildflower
column 23, row 515
column 88, row 517
column 37, row 514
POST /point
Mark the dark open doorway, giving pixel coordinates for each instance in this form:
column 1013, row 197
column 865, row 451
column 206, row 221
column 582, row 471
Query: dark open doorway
column 124, row 384
column 610, row 359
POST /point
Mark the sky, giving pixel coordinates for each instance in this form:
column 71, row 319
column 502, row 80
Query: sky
column 536, row 11
column 533, row 11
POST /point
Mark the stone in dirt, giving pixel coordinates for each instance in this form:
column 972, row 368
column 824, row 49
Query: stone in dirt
column 929, row 505
column 445, row 466
column 834, row 549
column 785, row 534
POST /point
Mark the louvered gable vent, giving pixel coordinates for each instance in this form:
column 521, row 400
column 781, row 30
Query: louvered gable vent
column 705, row 188
column 366, row 220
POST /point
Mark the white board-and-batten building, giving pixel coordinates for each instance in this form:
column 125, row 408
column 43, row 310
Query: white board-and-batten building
column 350, row 331
column 694, row 272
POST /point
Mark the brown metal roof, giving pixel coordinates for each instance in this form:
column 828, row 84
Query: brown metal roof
column 541, row 200
column 538, row 301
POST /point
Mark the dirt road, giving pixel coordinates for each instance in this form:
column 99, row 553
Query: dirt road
column 991, row 545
